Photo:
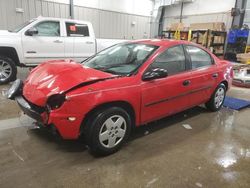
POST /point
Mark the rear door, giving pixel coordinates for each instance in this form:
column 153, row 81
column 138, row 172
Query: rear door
column 204, row 75
column 48, row 44
column 161, row 97
column 82, row 38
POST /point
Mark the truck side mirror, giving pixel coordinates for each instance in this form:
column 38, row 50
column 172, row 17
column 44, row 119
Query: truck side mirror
column 32, row 31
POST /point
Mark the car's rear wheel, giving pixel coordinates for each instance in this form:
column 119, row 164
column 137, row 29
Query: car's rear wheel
column 217, row 99
column 107, row 130
column 8, row 70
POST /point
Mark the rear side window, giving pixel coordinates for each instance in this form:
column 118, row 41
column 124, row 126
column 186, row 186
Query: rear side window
column 77, row 30
column 199, row 57
column 173, row 60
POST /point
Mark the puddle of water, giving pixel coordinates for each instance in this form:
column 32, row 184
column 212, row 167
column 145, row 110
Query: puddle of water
column 230, row 176
column 225, row 148
column 227, row 160
column 186, row 126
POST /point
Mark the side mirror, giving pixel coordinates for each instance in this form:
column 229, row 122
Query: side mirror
column 32, row 31
column 155, row 73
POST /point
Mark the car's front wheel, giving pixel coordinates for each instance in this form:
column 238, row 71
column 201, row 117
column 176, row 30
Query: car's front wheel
column 107, row 130
column 217, row 99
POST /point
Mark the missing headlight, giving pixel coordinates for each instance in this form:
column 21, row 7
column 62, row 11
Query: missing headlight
column 55, row 101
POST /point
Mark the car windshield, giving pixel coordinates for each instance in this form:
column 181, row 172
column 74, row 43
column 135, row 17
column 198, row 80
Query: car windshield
column 20, row 27
column 121, row 59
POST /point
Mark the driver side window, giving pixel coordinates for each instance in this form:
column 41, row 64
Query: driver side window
column 173, row 60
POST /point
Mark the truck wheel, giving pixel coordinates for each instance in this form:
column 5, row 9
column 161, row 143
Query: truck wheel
column 217, row 99
column 107, row 130
column 8, row 70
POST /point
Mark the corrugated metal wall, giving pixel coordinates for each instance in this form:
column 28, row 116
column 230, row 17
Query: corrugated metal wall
column 32, row 8
column 247, row 18
column 247, row 14
column 107, row 24
column 200, row 11
column 200, row 18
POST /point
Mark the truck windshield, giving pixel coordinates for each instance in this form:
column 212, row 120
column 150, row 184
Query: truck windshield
column 20, row 27
column 121, row 59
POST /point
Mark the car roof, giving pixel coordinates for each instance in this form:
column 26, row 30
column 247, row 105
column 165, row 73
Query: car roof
column 163, row 42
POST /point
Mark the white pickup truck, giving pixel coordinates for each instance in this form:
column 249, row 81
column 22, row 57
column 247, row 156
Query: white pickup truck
column 42, row 39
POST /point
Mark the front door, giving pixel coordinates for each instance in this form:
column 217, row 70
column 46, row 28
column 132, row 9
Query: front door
column 46, row 45
column 168, row 95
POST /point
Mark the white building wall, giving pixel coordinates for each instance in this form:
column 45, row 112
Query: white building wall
column 200, row 11
column 204, row 7
column 247, row 18
column 138, row 7
column 124, row 19
column 247, row 14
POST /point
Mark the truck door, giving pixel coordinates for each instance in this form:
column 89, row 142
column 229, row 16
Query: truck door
column 83, row 40
column 46, row 44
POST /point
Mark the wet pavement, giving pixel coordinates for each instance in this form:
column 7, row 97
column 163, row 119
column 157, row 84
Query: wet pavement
column 195, row 148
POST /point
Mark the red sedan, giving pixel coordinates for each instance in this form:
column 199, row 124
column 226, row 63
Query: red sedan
column 122, row 87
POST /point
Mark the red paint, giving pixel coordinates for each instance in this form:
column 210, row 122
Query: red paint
column 55, row 77
column 59, row 76
column 72, row 28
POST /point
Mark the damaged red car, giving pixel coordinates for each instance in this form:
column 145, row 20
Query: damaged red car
column 122, row 87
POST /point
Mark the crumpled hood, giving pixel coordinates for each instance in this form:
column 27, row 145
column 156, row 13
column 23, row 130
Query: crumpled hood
column 57, row 77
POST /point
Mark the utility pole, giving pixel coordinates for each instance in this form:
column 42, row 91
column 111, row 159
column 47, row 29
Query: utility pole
column 71, row 9
column 181, row 11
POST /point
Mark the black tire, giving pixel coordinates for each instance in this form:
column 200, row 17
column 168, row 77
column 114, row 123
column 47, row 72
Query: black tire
column 214, row 105
column 11, row 67
column 95, row 125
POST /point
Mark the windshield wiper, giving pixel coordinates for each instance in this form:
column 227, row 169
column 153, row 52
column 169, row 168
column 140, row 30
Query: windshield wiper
column 107, row 69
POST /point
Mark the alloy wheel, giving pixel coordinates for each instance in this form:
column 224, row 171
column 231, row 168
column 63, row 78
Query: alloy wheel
column 5, row 70
column 112, row 131
column 219, row 97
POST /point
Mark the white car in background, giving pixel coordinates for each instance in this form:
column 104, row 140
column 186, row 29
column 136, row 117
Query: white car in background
column 42, row 39
column 242, row 76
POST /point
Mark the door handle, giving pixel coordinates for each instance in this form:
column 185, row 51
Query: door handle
column 186, row 82
column 58, row 41
column 31, row 52
column 89, row 42
column 215, row 75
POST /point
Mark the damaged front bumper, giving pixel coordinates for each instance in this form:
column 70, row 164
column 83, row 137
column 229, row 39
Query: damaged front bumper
column 36, row 112
column 56, row 120
column 15, row 89
column 29, row 109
